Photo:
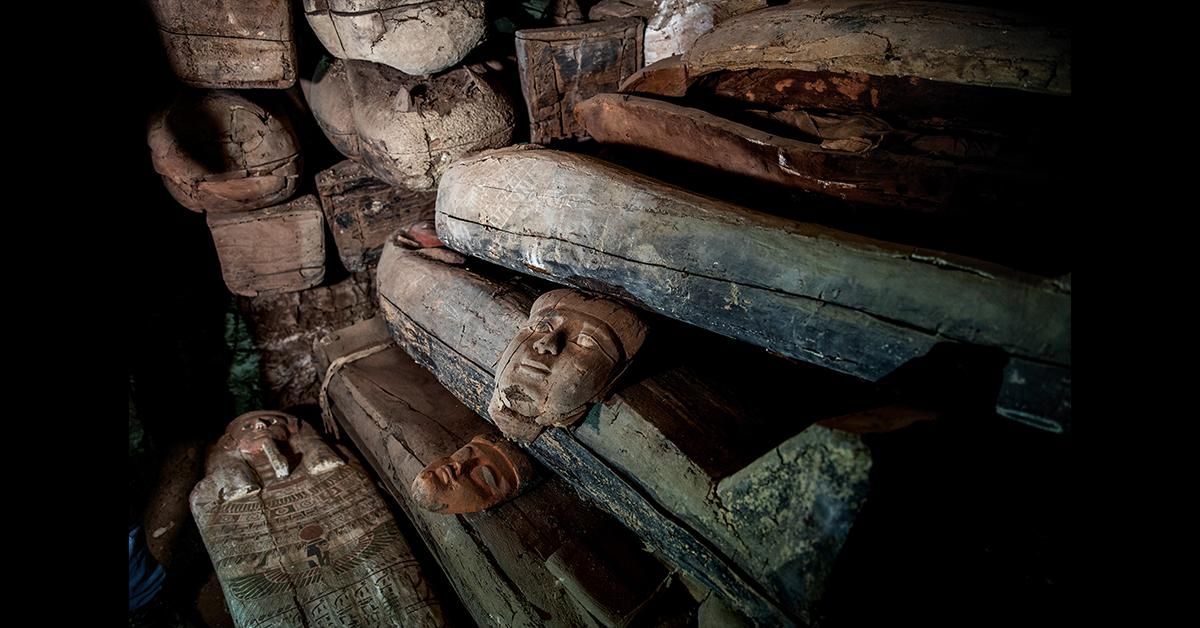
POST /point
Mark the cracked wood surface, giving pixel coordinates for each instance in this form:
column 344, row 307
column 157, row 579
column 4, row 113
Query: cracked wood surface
column 416, row 37
column 675, row 25
column 853, row 304
column 503, row 561
column 312, row 550
column 328, row 97
column 687, row 449
column 286, row 326
column 410, row 128
column 222, row 151
column 363, row 211
column 272, row 250
column 238, row 44
column 874, row 176
column 925, row 40
column 564, row 65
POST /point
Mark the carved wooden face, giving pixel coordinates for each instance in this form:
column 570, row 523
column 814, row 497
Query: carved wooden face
column 485, row 472
column 249, row 432
column 566, row 355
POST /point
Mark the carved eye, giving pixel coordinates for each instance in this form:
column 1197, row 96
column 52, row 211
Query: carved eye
column 585, row 341
column 542, row 327
column 489, row 476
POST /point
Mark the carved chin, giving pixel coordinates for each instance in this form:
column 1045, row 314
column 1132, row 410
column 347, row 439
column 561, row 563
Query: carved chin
column 425, row 494
column 513, row 424
column 516, row 400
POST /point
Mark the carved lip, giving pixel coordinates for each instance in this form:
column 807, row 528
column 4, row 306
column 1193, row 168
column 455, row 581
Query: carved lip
column 535, row 366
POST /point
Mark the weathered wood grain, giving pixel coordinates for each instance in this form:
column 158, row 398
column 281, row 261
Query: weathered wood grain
column 413, row 36
column 949, row 43
column 865, row 174
column 611, row 9
column 272, row 250
column 411, row 127
column 853, row 304
column 285, row 327
column 520, row 563
column 674, row 456
column 311, row 549
column 916, row 103
column 363, row 211
column 239, row 44
column 221, row 151
column 665, row 77
column 565, row 12
column 328, row 96
column 564, row 65
column 674, row 25
column 927, row 65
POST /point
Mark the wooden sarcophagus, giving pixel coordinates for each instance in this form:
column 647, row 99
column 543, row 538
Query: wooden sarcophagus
column 299, row 537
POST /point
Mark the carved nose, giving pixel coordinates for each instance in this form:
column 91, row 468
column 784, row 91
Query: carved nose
column 550, row 343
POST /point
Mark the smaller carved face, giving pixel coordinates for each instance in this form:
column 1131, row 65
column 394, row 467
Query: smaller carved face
column 485, row 472
column 564, row 357
column 249, row 432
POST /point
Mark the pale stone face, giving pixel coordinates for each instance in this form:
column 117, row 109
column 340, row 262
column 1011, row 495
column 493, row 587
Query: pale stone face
column 415, row 37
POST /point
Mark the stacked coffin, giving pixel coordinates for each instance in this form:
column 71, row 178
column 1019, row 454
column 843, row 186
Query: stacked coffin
column 880, row 109
column 651, row 390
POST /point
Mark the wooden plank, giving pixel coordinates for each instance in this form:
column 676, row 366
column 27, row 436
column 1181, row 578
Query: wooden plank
column 856, row 305
column 946, row 43
column 272, row 250
column 932, row 65
column 242, row 44
column 521, row 563
column 916, row 103
column 417, row 37
column 564, row 65
column 363, row 211
column 665, row 77
column 675, row 456
column 284, row 328
column 874, row 176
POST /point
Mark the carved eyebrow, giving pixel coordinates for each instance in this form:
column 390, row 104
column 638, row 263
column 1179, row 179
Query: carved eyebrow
column 592, row 331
